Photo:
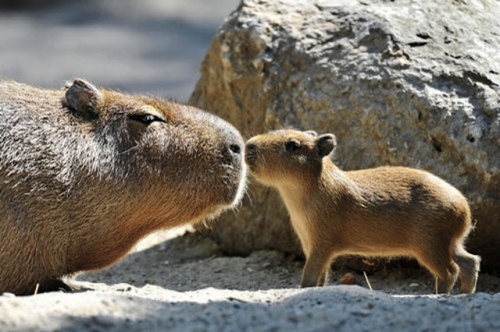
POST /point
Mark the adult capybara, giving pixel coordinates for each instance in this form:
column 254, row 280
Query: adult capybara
column 86, row 172
column 386, row 211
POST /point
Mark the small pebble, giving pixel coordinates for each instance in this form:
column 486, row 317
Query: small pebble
column 348, row 279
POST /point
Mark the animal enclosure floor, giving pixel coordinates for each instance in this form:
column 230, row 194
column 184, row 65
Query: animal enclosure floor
column 183, row 283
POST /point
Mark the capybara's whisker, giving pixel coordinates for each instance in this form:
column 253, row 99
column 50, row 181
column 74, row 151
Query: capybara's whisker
column 127, row 150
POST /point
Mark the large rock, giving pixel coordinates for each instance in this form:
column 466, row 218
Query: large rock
column 399, row 83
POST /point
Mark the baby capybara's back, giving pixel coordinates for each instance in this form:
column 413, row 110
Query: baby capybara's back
column 390, row 195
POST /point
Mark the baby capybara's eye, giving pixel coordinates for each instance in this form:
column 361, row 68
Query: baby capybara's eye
column 292, row 146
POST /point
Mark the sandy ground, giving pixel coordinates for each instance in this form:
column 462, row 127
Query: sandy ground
column 184, row 283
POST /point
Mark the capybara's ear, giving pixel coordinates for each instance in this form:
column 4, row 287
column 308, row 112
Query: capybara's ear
column 311, row 133
column 325, row 144
column 82, row 97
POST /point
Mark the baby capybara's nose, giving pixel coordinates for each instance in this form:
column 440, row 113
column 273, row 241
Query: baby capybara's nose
column 250, row 151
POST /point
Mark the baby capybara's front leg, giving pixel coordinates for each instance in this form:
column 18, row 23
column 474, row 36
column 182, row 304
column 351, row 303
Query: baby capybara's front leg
column 316, row 270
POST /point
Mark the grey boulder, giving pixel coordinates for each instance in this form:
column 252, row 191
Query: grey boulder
column 412, row 83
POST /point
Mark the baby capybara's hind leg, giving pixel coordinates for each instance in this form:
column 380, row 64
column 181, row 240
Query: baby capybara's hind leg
column 446, row 278
column 443, row 268
column 469, row 269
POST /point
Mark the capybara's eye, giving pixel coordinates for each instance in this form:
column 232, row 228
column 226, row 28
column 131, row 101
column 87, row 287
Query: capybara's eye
column 292, row 146
column 147, row 119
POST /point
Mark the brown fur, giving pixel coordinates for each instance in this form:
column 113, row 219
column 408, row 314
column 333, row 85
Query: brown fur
column 386, row 211
column 85, row 173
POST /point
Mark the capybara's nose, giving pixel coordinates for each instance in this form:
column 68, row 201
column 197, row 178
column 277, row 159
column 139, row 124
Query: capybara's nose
column 231, row 154
column 235, row 148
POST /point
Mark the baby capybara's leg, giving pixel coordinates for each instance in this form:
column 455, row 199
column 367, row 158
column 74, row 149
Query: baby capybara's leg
column 469, row 268
column 315, row 270
column 446, row 278
column 323, row 280
column 444, row 269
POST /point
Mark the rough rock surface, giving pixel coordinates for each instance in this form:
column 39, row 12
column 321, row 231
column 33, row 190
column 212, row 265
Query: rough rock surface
column 412, row 83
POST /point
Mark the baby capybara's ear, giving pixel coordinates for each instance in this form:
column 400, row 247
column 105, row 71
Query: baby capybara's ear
column 83, row 98
column 311, row 133
column 325, row 144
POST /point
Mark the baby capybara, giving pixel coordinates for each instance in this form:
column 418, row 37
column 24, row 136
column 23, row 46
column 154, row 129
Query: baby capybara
column 385, row 211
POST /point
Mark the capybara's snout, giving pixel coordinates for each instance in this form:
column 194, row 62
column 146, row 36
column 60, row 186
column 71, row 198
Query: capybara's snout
column 231, row 155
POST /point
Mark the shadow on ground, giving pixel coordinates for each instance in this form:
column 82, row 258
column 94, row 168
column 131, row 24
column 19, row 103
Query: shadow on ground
column 193, row 262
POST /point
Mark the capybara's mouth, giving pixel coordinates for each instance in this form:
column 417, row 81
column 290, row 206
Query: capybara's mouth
column 252, row 167
column 250, row 159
